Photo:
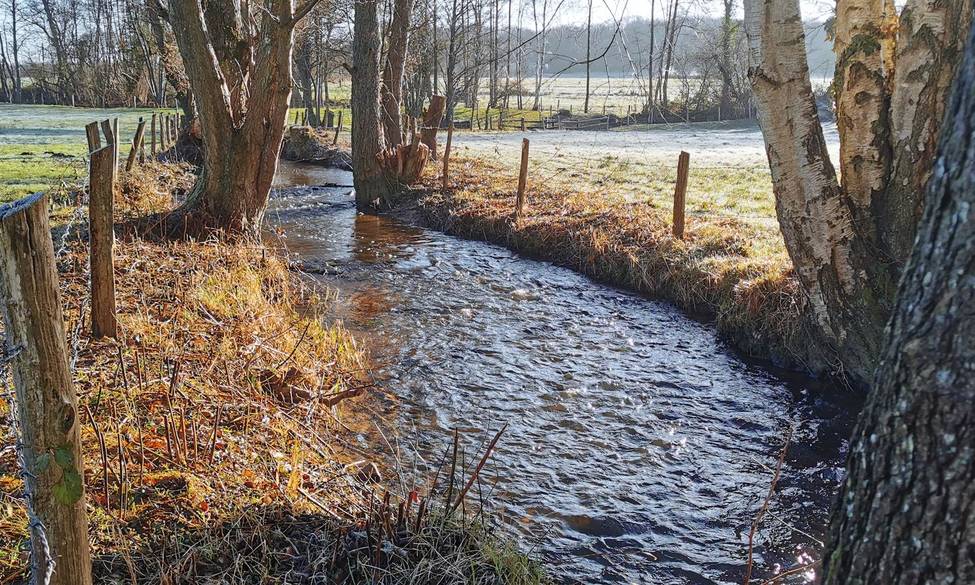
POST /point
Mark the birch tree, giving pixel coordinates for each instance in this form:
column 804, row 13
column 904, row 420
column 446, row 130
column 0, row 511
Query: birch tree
column 848, row 238
column 906, row 512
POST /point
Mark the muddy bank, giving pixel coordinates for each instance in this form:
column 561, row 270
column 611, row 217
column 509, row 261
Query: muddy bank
column 314, row 145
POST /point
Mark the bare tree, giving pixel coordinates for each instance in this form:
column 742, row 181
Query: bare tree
column 238, row 61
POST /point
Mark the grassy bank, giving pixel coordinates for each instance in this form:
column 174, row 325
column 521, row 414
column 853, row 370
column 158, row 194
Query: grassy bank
column 729, row 269
column 226, row 433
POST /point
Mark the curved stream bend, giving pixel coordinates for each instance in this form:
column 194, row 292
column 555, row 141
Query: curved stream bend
column 638, row 447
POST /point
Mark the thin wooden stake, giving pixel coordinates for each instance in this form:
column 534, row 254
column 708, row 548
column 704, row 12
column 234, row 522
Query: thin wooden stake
column 102, row 237
column 153, row 134
column 338, row 128
column 136, row 144
column 91, row 132
column 680, row 194
column 446, row 156
column 522, row 178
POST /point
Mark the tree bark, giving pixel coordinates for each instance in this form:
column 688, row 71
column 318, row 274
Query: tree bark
column 864, row 48
column 906, row 511
column 241, row 79
column 392, row 88
column 848, row 291
column 929, row 46
column 372, row 186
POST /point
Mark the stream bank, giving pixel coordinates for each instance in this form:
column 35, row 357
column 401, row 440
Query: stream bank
column 637, row 447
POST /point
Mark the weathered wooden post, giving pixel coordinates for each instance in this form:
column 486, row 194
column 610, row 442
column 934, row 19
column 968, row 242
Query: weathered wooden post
column 136, row 144
column 49, row 445
column 153, row 134
column 296, row 117
column 522, row 123
column 304, row 117
column 338, row 128
column 91, row 132
column 472, row 119
column 680, row 193
column 101, row 243
column 446, row 156
column 163, row 143
column 117, row 146
column 522, row 178
column 108, row 129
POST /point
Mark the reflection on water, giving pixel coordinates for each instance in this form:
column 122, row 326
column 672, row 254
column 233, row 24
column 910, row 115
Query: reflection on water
column 638, row 447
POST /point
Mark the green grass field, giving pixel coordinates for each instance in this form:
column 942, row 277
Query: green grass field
column 43, row 147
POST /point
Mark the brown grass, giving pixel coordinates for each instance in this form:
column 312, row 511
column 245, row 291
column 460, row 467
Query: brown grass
column 715, row 272
column 221, row 431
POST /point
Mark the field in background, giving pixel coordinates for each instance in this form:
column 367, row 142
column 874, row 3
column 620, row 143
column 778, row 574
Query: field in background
column 44, row 146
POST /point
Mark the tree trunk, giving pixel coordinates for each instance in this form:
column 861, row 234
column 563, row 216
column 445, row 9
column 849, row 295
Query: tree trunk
column 847, row 291
column 929, row 46
column 241, row 79
column 585, row 103
column 371, row 183
column 392, row 88
column 836, row 234
column 905, row 511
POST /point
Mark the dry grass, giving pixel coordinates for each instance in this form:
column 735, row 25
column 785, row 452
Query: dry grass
column 222, row 431
column 717, row 271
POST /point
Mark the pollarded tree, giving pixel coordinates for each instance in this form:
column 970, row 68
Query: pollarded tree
column 906, row 512
column 849, row 238
column 237, row 56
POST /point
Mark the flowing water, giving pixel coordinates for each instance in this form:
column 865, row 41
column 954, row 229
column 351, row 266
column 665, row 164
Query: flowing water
column 638, row 447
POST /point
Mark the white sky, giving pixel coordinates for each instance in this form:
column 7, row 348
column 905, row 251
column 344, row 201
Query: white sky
column 574, row 11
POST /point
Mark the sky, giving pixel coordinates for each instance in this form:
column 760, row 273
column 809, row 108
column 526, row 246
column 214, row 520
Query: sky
column 574, row 11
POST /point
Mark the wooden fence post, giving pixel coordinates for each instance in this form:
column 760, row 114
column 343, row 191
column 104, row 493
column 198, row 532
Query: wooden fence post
column 522, row 123
column 101, row 242
column 446, row 156
column 680, row 194
column 136, row 143
column 522, row 178
column 162, row 133
column 47, row 406
column 338, row 128
column 116, row 147
column 153, row 134
column 91, row 132
column 108, row 128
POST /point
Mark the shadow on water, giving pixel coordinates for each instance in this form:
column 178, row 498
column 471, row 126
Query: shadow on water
column 638, row 447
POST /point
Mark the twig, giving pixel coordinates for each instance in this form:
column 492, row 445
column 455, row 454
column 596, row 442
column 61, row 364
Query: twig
column 765, row 505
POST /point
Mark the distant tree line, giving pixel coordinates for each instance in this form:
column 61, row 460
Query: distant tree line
column 687, row 62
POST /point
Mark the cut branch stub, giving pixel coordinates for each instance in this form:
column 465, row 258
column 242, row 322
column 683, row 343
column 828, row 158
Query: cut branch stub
column 432, row 118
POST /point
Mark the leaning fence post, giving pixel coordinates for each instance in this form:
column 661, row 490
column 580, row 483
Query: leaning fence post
column 49, row 444
column 102, row 240
column 522, row 178
column 446, row 155
column 338, row 128
column 136, row 143
column 680, row 193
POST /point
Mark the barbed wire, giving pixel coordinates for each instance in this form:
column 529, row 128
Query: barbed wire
column 35, row 524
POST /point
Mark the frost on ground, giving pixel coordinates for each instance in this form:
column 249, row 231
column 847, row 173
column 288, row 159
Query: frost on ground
column 729, row 173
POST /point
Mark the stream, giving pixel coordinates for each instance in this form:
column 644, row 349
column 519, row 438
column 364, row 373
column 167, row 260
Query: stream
column 638, row 446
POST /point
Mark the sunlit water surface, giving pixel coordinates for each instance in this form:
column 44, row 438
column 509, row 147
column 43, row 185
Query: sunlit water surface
column 638, row 447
